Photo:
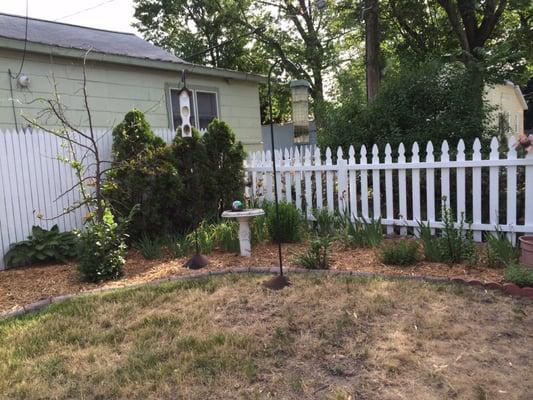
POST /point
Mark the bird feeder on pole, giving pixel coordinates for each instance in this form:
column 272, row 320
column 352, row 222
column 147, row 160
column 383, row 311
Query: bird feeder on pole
column 300, row 110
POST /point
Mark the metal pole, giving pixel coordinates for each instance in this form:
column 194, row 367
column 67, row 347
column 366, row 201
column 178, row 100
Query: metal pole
column 276, row 200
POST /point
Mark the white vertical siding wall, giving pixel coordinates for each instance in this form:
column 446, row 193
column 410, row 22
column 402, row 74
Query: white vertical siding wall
column 413, row 186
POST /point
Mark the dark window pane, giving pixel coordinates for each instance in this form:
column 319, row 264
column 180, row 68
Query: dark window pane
column 175, row 103
column 207, row 108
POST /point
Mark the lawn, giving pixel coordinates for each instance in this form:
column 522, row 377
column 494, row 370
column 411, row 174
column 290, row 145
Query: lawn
column 228, row 337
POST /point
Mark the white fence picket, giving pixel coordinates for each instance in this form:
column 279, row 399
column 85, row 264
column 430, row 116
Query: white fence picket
column 445, row 175
column 511, row 189
column 288, row 180
column 460, row 181
column 494, row 184
column 318, row 179
column 352, row 182
column 298, row 178
column 476, row 190
column 376, row 190
column 389, row 199
column 329, row 181
column 402, row 189
column 308, row 182
column 430, row 186
column 415, row 185
column 342, row 189
column 364, row 184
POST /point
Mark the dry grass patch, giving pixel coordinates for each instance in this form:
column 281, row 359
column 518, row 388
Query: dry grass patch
column 227, row 337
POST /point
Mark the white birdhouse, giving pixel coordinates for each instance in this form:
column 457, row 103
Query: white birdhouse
column 185, row 112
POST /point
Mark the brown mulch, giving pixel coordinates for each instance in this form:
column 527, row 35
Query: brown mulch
column 22, row 286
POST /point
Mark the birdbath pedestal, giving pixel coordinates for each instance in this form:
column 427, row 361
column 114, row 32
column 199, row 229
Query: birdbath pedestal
column 244, row 227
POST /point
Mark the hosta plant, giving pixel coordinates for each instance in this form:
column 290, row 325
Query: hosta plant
column 41, row 246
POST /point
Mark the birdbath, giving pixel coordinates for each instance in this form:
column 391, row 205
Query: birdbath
column 244, row 217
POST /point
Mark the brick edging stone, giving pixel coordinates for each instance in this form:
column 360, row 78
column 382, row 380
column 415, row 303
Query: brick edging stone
column 507, row 288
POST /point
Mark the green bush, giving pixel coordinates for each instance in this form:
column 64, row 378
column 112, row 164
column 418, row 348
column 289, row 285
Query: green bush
column 102, row 249
column 431, row 247
column 290, row 223
column 500, row 250
column 434, row 101
column 317, row 254
column 144, row 174
column 226, row 236
column 404, row 252
column 204, row 234
column 327, row 223
column 225, row 156
column 519, row 274
column 41, row 246
column 361, row 233
column 177, row 245
column 150, row 249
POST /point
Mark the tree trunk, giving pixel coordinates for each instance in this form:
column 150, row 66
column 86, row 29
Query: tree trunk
column 372, row 49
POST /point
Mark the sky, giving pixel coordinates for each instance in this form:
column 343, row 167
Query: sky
column 115, row 15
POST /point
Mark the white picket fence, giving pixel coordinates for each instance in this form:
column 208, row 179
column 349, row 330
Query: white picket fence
column 495, row 191
column 32, row 178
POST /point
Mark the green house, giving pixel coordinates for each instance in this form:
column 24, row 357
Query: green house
column 123, row 72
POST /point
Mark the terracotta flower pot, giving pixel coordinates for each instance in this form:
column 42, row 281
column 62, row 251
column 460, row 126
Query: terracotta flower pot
column 526, row 247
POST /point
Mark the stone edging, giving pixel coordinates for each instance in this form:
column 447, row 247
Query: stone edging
column 508, row 288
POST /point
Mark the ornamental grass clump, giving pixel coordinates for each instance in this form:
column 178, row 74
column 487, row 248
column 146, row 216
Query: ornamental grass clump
column 500, row 250
column 402, row 253
column 317, row 254
column 361, row 233
column 519, row 275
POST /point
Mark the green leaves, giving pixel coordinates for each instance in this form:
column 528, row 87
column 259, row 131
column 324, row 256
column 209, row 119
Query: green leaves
column 42, row 245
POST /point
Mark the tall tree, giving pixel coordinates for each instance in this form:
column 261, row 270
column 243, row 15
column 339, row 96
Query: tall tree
column 372, row 48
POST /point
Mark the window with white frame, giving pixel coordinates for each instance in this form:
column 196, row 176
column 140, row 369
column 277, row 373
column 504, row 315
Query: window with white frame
column 204, row 108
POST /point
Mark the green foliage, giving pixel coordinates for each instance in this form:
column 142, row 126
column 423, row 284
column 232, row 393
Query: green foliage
column 225, row 157
column 432, row 251
column 500, row 250
column 404, row 252
column 290, row 223
column 519, row 275
column 144, row 175
column 327, row 223
column 204, row 234
column 151, row 249
column 226, row 236
column 177, row 245
column 41, row 246
column 432, row 101
column 102, row 249
column 361, row 233
column 455, row 243
column 317, row 254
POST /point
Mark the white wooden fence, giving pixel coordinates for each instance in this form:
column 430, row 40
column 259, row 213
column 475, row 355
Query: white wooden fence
column 489, row 192
column 31, row 180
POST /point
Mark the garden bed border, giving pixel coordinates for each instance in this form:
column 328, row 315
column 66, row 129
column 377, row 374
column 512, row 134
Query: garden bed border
column 507, row 288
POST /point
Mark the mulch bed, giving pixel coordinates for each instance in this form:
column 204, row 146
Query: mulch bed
column 27, row 285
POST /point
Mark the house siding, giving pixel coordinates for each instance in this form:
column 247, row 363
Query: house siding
column 114, row 89
column 505, row 99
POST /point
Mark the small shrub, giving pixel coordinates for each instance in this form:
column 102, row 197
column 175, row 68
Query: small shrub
column 290, row 221
column 327, row 223
column 519, row 275
column 42, row 245
column 204, row 234
column 455, row 243
column 177, row 245
column 431, row 248
column 226, row 236
column 150, row 249
column 360, row 233
column 500, row 250
column 102, row 249
column 400, row 253
column 317, row 254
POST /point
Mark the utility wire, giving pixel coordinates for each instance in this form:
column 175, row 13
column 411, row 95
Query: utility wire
column 85, row 9
column 25, row 46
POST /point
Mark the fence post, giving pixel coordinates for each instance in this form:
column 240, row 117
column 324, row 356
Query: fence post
column 430, row 186
column 288, row 180
column 415, row 185
column 445, row 175
column 389, row 198
column 376, row 189
column 460, row 181
column 402, row 188
column 476, row 190
column 298, row 178
column 308, row 183
column 352, row 183
column 511, row 189
column 364, row 185
column 494, row 194
column 342, row 180
column 318, row 179
column 268, row 176
column 528, row 216
column 329, row 181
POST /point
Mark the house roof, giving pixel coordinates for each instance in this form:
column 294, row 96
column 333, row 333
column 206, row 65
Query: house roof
column 81, row 38
column 119, row 47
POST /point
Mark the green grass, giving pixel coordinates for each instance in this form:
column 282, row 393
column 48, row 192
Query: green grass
column 230, row 338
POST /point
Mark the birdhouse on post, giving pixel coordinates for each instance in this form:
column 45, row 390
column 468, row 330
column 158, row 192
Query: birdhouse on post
column 185, row 112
